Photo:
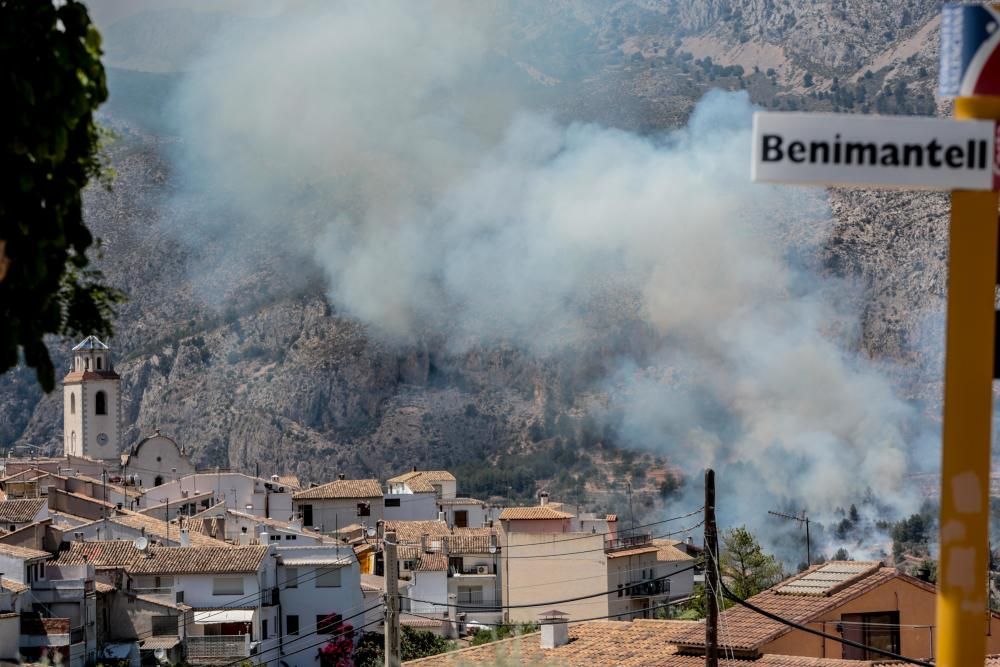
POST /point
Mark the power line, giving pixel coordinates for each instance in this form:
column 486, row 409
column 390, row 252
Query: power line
column 798, row 626
column 601, row 548
column 293, row 638
column 314, row 632
column 550, row 602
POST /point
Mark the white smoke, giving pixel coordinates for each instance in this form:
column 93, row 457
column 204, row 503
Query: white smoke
column 372, row 137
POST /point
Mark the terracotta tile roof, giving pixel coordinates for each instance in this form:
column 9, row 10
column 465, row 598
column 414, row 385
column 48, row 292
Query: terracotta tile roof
column 599, row 643
column 199, row 560
column 637, row 551
column 409, row 532
column 433, row 562
column 100, row 554
column 748, row 631
column 290, row 480
column 166, row 642
column 532, row 513
column 102, row 587
column 468, row 544
column 22, row 552
column 15, row 586
column 460, row 501
column 342, row 488
column 429, row 475
column 20, row 511
column 419, row 621
column 668, row 551
column 159, row 529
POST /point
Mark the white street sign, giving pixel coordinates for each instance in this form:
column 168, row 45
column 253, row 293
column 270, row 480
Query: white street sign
column 874, row 151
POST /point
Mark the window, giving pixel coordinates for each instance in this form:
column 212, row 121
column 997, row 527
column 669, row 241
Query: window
column 392, row 502
column 328, row 578
column 291, row 577
column 227, row 586
column 158, row 480
column 470, row 595
column 307, row 515
column 41, row 569
column 326, row 624
column 275, row 538
column 86, row 364
column 292, row 624
column 263, row 629
column 101, row 403
column 72, row 403
column 98, row 363
column 72, row 438
column 879, row 630
column 164, row 626
column 461, row 518
column 364, row 509
column 291, row 537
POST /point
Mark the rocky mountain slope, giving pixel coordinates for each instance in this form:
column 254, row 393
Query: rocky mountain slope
column 257, row 368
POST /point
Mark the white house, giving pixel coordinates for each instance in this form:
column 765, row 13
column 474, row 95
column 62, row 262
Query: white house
column 466, row 512
column 15, row 514
column 245, row 493
column 241, row 526
column 232, row 590
column 320, row 587
column 344, row 502
column 439, row 482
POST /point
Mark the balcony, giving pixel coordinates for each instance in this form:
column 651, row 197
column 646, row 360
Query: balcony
column 218, row 647
column 647, row 589
column 630, row 542
column 270, row 597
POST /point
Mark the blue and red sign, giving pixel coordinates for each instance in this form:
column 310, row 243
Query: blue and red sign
column 970, row 57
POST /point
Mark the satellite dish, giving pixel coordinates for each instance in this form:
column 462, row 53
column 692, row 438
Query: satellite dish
column 371, row 532
column 160, row 654
column 141, row 543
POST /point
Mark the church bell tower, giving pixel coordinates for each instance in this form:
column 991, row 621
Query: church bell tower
column 92, row 403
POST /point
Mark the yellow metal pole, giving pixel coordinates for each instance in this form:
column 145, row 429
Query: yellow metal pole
column 968, row 412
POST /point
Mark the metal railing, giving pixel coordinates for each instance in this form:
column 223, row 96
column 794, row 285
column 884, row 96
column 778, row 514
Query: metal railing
column 270, row 597
column 629, row 542
column 648, row 588
column 218, row 646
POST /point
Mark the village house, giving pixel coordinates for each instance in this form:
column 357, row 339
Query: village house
column 859, row 600
column 231, row 590
column 328, row 508
column 16, row 514
column 155, row 460
column 254, row 495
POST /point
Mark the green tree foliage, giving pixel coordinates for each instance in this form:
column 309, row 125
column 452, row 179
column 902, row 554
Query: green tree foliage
column 503, row 631
column 745, row 567
column 52, row 81
column 413, row 644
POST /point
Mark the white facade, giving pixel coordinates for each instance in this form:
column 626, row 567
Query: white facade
column 430, row 587
column 156, row 460
column 411, row 506
column 331, row 515
column 243, row 493
column 316, row 583
column 465, row 513
column 91, row 403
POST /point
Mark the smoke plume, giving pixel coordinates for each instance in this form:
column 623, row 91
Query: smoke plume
column 396, row 146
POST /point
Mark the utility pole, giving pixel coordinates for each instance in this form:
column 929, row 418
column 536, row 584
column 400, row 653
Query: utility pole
column 801, row 519
column 711, row 574
column 391, row 574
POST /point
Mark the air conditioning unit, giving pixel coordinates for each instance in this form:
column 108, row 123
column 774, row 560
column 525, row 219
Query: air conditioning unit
column 482, row 569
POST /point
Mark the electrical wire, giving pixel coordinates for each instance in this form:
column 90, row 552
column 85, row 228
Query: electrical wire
column 798, row 626
column 547, row 603
column 314, row 632
column 566, row 581
column 602, row 547
column 298, row 636
column 316, row 645
column 248, row 599
column 578, row 620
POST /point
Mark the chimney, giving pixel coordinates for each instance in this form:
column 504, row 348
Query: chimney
column 265, row 539
column 414, row 469
column 554, row 630
column 423, row 543
column 340, row 476
column 244, row 538
column 543, row 498
column 690, row 540
column 185, row 538
column 441, row 516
